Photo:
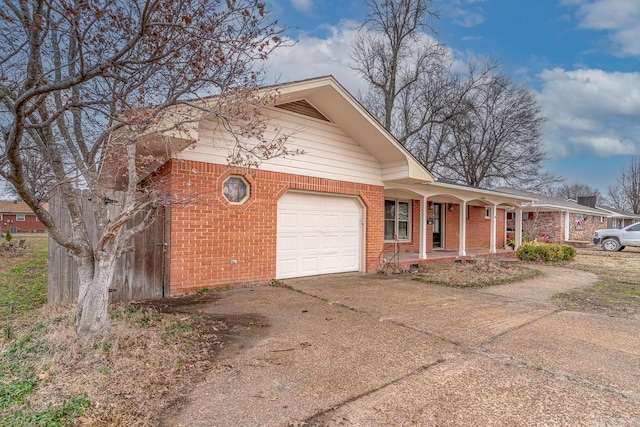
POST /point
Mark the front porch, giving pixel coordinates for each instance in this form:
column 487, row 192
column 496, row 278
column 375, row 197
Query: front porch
column 406, row 260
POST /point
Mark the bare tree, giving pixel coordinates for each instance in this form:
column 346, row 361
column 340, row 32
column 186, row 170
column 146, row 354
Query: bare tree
column 573, row 191
column 470, row 128
column 393, row 53
column 497, row 142
column 84, row 85
column 441, row 98
column 625, row 194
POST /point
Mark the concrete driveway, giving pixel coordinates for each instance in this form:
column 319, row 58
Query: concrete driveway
column 359, row 350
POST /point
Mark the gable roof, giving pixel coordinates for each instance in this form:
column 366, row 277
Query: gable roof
column 338, row 106
column 547, row 203
column 617, row 213
column 11, row 206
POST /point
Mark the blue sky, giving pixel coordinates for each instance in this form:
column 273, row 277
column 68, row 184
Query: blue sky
column 581, row 57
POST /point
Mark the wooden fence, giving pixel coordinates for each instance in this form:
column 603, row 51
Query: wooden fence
column 139, row 274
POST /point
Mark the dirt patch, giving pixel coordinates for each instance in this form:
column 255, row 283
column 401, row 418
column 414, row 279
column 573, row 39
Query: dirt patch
column 478, row 273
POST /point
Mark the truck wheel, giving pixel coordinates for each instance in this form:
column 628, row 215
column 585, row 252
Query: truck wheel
column 611, row 245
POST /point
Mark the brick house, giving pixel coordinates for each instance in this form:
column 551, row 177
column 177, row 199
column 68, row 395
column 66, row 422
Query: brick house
column 618, row 218
column 17, row 217
column 354, row 192
column 555, row 220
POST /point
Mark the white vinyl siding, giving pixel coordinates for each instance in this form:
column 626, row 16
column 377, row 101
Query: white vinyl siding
column 328, row 152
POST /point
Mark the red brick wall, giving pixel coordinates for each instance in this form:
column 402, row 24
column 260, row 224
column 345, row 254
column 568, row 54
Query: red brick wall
column 541, row 224
column 29, row 225
column 208, row 233
column 478, row 229
column 589, row 227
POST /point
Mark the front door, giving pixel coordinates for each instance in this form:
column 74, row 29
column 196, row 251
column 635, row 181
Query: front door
column 437, row 225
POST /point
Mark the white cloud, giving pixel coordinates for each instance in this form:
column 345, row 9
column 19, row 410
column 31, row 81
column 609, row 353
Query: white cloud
column 464, row 12
column 319, row 56
column 591, row 112
column 302, row 5
column 314, row 56
column 619, row 17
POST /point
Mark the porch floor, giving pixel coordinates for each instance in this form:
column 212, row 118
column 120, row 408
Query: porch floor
column 408, row 259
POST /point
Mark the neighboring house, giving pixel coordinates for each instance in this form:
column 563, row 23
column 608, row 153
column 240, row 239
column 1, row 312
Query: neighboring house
column 556, row 220
column 17, row 217
column 618, row 218
column 330, row 210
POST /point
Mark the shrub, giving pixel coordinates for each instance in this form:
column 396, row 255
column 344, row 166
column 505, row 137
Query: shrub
column 8, row 237
column 535, row 251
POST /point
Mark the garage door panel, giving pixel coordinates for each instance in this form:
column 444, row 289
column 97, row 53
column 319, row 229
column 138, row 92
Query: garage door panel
column 310, row 221
column 310, row 243
column 346, row 262
column 288, row 243
column 350, row 222
column 317, row 234
column 309, row 265
column 288, row 267
column 331, row 243
column 288, row 220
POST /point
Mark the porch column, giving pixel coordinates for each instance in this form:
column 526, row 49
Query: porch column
column 492, row 240
column 567, row 222
column 462, row 245
column 423, row 228
column 518, row 236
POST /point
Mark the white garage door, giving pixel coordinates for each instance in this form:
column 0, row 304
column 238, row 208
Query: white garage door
column 317, row 234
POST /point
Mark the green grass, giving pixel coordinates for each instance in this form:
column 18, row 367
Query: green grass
column 617, row 292
column 23, row 279
column 610, row 296
column 18, row 379
column 23, row 290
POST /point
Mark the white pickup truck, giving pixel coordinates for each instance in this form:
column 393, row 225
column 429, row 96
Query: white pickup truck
column 616, row 239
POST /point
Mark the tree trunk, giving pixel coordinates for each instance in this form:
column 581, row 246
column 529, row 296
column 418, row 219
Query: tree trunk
column 95, row 276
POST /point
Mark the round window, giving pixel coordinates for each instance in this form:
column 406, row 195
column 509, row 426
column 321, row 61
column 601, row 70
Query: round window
column 235, row 189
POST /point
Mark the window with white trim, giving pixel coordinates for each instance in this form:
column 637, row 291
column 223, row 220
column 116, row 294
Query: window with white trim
column 397, row 220
column 487, row 213
column 20, row 217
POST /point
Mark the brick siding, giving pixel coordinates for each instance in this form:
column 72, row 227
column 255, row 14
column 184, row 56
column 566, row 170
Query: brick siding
column 550, row 226
column 478, row 229
column 210, row 232
column 29, row 225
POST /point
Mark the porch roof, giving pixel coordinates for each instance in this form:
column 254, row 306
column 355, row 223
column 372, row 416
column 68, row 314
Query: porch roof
column 552, row 204
column 452, row 192
column 620, row 214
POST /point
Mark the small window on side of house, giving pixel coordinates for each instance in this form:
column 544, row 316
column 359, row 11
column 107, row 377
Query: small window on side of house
column 20, row 217
column 487, row 213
